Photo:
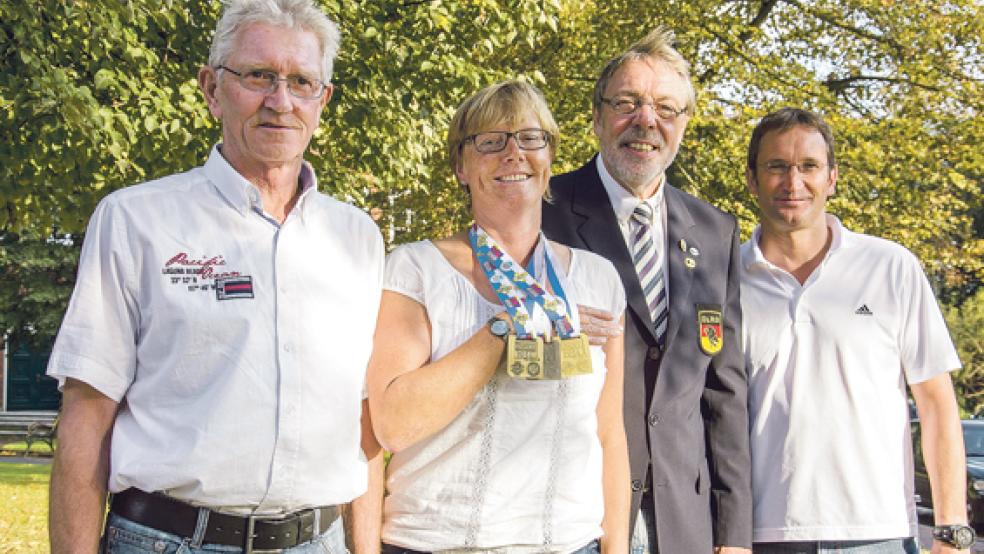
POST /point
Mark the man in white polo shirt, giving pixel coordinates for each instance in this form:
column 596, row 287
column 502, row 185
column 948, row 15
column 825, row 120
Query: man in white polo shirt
column 214, row 351
column 836, row 324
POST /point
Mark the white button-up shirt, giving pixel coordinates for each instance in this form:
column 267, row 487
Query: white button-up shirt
column 624, row 203
column 237, row 346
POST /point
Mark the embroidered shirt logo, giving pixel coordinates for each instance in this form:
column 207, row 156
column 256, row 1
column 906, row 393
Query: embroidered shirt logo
column 227, row 288
column 196, row 272
column 710, row 327
column 863, row 310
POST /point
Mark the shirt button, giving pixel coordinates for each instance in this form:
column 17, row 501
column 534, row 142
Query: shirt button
column 287, row 348
column 654, row 419
column 654, row 353
column 636, row 485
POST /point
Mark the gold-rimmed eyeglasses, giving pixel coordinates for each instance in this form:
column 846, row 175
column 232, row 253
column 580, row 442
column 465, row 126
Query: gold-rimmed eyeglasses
column 627, row 105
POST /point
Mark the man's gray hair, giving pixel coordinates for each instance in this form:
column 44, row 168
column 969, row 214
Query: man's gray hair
column 292, row 14
column 658, row 45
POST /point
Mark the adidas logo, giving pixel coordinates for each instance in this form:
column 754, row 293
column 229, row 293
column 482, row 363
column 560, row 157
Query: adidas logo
column 863, row 310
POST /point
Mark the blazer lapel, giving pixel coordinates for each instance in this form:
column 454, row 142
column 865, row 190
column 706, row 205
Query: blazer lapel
column 601, row 234
column 679, row 224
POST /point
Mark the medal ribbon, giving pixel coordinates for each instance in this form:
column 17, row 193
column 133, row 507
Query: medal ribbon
column 517, row 289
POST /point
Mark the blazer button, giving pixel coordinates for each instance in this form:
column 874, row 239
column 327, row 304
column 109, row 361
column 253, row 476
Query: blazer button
column 654, row 419
column 636, row 485
column 654, row 353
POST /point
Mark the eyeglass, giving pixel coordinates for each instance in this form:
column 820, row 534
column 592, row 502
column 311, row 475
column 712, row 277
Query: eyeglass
column 495, row 141
column 625, row 105
column 265, row 81
column 806, row 169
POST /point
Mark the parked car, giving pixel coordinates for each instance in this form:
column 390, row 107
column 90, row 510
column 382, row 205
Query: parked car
column 973, row 432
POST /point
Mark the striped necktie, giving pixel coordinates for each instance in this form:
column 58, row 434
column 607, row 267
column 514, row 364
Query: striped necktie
column 650, row 273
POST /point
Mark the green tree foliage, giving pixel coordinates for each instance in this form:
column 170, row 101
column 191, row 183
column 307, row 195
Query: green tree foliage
column 97, row 95
column 36, row 279
column 967, row 328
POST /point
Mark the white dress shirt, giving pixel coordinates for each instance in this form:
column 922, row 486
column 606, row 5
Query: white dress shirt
column 236, row 346
column 624, row 203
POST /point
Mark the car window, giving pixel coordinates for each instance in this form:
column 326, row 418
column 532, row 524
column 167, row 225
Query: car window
column 974, row 440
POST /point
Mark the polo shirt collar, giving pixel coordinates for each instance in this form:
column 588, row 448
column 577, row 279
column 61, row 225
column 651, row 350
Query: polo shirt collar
column 243, row 195
column 623, row 202
column 841, row 238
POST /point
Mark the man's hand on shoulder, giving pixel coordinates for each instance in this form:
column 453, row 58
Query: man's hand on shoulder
column 731, row 550
column 598, row 324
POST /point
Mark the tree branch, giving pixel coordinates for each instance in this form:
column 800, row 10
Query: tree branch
column 761, row 16
column 764, row 10
column 838, row 86
column 829, row 20
column 734, row 49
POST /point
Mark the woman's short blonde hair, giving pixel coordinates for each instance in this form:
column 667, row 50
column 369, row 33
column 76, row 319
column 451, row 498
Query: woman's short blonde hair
column 507, row 103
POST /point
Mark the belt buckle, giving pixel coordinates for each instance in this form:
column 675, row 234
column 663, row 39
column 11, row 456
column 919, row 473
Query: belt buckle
column 251, row 533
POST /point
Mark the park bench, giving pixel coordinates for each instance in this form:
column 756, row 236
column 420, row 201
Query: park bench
column 42, row 431
column 29, row 427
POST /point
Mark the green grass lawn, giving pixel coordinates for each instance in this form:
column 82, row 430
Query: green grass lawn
column 24, row 512
column 37, row 448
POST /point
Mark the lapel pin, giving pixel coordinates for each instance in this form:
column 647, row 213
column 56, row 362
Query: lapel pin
column 690, row 263
column 694, row 252
column 683, row 245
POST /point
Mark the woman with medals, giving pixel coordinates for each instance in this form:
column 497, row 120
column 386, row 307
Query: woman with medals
column 504, row 423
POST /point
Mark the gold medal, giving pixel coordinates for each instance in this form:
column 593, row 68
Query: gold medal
column 524, row 358
column 575, row 356
column 567, row 358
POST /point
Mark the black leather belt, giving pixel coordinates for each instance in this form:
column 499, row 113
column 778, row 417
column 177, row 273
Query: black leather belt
column 251, row 533
column 386, row 548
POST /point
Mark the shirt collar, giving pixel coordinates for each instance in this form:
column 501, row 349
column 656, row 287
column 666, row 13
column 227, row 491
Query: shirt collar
column 243, row 195
column 840, row 238
column 623, row 202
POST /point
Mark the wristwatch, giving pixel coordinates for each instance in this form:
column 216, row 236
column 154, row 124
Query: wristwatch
column 961, row 536
column 499, row 327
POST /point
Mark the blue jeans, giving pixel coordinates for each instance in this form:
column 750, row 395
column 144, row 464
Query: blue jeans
column 894, row 546
column 123, row 536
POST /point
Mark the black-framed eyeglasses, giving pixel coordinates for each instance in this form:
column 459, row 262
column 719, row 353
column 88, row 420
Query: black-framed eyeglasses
column 806, row 169
column 266, row 81
column 627, row 105
column 495, row 141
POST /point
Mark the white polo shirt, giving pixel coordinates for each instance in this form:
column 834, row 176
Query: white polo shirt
column 828, row 362
column 236, row 346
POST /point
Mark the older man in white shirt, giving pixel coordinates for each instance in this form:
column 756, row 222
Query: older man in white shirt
column 214, row 351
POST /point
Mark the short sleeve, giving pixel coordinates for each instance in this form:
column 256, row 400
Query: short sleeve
column 96, row 343
column 404, row 272
column 925, row 343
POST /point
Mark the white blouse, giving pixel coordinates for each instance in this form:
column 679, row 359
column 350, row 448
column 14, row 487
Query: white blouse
column 520, row 468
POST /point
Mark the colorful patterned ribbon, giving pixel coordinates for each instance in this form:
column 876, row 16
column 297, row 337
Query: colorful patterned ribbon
column 517, row 289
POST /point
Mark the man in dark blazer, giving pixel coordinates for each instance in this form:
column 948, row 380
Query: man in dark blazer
column 685, row 382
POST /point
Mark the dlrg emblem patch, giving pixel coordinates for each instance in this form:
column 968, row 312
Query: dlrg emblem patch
column 710, row 328
column 227, row 288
